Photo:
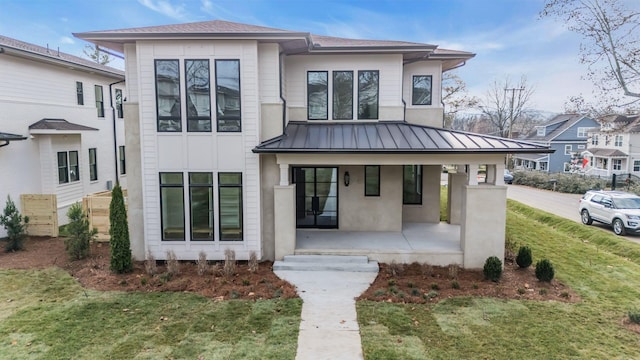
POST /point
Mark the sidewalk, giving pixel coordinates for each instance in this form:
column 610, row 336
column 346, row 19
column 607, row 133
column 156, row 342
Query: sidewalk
column 329, row 327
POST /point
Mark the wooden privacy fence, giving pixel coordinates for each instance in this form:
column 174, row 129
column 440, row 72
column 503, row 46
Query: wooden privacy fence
column 96, row 206
column 42, row 210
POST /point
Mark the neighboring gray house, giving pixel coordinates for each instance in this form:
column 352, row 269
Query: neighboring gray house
column 567, row 134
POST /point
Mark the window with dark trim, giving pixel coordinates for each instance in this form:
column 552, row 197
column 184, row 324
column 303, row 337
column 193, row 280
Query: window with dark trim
column 636, row 165
column 172, row 206
column 198, row 95
column 119, row 109
column 63, row 168
column 342, row 95
column 123, row 160
column 228, row 104
column 99, row 100
column 201, row 205
column 372, row 180
column 412, row 185
column 230, row 206
column 317, row 95
column 368, row 86
column 168, row 95
column 421, row 93
column 93, row 164
column 74, row 166
column 79, row 93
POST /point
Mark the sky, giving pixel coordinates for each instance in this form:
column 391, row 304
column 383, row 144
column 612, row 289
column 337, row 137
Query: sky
column 507, row 36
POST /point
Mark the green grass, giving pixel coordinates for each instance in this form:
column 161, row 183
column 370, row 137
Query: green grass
column 604, row 269
column 47, row 315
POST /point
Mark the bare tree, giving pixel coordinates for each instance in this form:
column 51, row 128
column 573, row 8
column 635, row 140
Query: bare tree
column 455, row 97
column 611, row 45
column 505, row 103
column 94, row 53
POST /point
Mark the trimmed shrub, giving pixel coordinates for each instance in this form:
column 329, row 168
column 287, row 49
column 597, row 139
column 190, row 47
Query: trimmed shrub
column 119, row 231
column 544, row 270
column 229, row 262
column 524, row 259
column 15, row 224
column 634, row 316
column 492, row 269
column 173, row 265
column 79, row 233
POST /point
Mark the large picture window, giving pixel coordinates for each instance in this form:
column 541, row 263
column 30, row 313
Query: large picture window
column 201, row 198
column 343, row 95
column 421, row 94
column 93, row 164
column 172, row 206
column 228, row 95
column 230, row 204
column 317, row 95
column 168, row 95
column 198, row 95
column 372, row 180
column 119, row 109
column 412, row 185
column 99, row 100
column 368, row 83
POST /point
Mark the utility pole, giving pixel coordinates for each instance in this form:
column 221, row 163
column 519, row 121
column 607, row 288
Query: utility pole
column 513, row 95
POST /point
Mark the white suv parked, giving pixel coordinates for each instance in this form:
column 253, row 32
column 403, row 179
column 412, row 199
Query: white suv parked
column 619, row 209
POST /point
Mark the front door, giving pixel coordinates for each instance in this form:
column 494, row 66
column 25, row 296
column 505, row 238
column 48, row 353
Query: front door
column 316, row 197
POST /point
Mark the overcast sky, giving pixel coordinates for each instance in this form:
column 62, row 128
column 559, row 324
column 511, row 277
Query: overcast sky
column 507, row 36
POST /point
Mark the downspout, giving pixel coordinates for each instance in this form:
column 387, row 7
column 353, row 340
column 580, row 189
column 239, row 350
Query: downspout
column 115, row 137
column 284, row 101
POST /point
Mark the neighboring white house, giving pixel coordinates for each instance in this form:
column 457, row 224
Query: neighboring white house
column 255, row 139
column 614, row 148
column 57, row 125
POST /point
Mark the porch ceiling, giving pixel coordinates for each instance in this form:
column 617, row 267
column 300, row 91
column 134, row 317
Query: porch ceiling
column 388, row 137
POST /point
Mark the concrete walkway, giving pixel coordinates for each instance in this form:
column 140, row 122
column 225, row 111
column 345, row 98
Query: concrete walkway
column 329, row 327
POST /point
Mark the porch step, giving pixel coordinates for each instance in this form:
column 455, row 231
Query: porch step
column 326, row 263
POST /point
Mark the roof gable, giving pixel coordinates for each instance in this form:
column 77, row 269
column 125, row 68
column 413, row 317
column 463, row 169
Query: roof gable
column 555, row 127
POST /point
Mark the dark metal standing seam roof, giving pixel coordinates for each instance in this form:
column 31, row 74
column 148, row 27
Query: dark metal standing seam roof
column 388, row 137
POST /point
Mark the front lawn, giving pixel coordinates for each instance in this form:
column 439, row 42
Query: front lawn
column 46, row 314
column 602, row 268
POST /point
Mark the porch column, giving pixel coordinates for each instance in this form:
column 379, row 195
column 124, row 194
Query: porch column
column 495, row 174
column 284, row 213
column 484, row 217
column 284, row 174
column 455, row 189
column 472, row 174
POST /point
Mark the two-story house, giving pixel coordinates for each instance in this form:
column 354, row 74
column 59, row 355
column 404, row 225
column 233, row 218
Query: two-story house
column 567, row 135
column 279, row 142
column 611, row 147
column 62, row 125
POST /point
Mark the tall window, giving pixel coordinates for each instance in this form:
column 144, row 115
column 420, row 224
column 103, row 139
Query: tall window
column 421, row 94
column 172, row 206
column 594, row 139
column 198, row 95
column 368, row 94
column 343, row 95
column 372, row 180
column 123, row 160
column 317, row 95
column 168, row 95
column 228, row 95
column 201, row 199
column 99, row 100
column 119, row 109
column 230, row 203
column 74, row 167
column 79, row 93
column 618, row 140
column 63, row 168
column 93, row 164
column 412, row 185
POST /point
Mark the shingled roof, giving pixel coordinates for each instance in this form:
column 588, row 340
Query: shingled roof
column 58, row 125
column 388, row 137
column 21, row 48
column 554, row 127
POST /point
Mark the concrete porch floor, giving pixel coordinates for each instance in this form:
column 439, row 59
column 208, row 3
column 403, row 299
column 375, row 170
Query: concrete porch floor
column 436, row 244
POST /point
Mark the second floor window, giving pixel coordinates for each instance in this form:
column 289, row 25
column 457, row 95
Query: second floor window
column 317, row 95
column 421, row 92
column 594, row 140
column 168, row 95
column 119, row 109
column 198, row 95
column 618, row 141
column 99, row 100
column 342, row 95
column 582, row 132
column 228, row 95
column 368, row 83
column 79, row 93
column 541, row 131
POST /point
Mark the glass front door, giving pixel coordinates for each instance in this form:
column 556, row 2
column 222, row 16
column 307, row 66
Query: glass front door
column 316, row 197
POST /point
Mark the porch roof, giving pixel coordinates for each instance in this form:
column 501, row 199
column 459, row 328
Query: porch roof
column 388, row 137
column 57, row 126
column 607, row 152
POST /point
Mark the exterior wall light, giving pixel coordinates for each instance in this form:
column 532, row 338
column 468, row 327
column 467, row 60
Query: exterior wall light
column 347, row 178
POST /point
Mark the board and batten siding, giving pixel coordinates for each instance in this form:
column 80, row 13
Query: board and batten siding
column 199, row 152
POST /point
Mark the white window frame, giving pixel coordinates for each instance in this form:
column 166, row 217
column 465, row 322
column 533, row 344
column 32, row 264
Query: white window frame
column 595, row 139
column 636, row 165
column 618, row 140
column 568, row 149
column 583, row 132
column 616, row 164
column 541, row 131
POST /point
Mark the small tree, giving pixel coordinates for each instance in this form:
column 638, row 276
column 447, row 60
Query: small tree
column 15, row 225
column 80, row 233
column 119, row 231
column 544, row 270
column 492, row 269
column 524, row 259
